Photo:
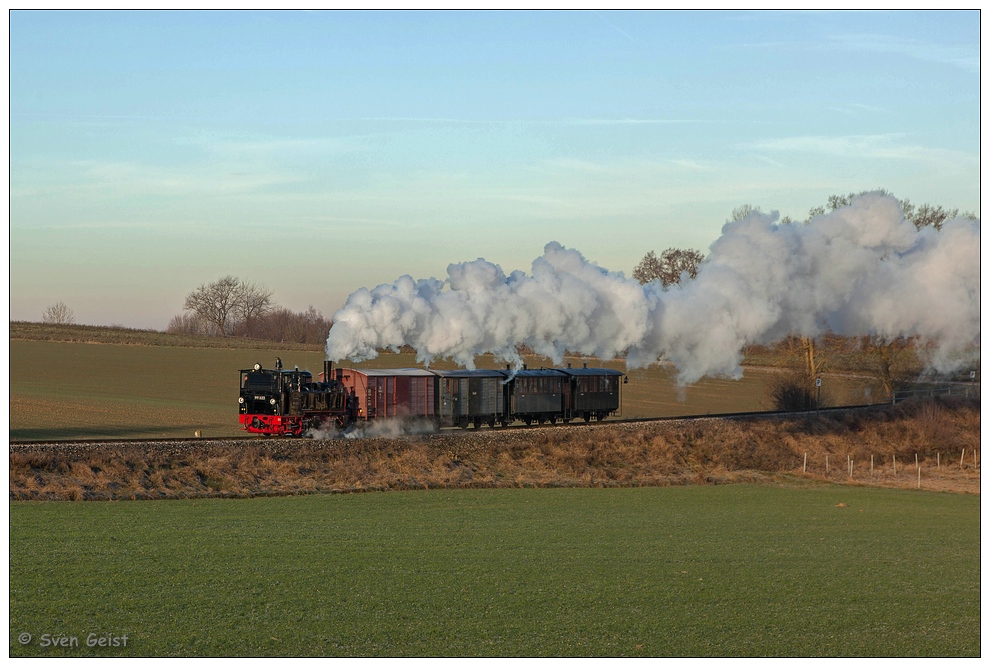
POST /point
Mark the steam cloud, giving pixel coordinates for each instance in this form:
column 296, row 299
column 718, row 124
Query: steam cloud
column 860, row 270
column 380, row 428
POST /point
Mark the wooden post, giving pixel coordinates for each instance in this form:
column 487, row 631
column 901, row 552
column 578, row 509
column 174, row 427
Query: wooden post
column 871, row 465
column 916, row 464
column 919, row 477
column 938, row 460
column 961, row 457
column 805, row 462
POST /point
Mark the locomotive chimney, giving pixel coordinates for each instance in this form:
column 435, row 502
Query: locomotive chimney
column 327, row 370
column 586, row 364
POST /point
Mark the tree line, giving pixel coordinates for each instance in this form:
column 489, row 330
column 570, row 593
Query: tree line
column 234, row 307
column 674, row 263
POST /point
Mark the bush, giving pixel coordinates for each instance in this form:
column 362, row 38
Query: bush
column 279, row 325
column 792, row 392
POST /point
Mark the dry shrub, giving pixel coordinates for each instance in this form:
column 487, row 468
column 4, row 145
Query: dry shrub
column 931, row 423
column 791, row 392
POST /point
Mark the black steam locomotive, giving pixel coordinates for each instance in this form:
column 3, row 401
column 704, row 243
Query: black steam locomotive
column 282, row 402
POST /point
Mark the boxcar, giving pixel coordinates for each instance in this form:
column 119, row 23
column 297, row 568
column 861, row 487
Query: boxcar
column 470, row 397
column 377, row 393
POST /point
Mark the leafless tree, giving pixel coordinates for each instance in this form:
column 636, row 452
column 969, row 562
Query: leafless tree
column 227, row 302
column 743, row 212
column 888, row 361
column 282, row 325
column 928, row 215
column 189, row 324
column 58, row 314
column 925, row 215
column 669, row 267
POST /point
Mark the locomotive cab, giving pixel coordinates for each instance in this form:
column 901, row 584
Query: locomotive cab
column 259, row 392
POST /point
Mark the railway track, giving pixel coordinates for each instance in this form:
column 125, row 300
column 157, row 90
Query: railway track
column 89, row 442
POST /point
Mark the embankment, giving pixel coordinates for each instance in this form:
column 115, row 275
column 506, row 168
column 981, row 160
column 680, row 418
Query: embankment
column 876, row 446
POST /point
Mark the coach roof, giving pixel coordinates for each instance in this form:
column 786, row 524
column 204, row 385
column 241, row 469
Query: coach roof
column 389, row 372
column 590, row 371
column 462, row 373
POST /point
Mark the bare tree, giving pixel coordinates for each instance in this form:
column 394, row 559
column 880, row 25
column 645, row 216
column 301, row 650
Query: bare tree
column 743, row 212
column 887, row 361
column 928, row 215
column 253, row 300
column 925, row 215
column 648, row 268
column 227, row 302
column 283, row 325
column 798, row 389
column 189, row 324
column 815, row 363
column 58, row 314
column 668, row 269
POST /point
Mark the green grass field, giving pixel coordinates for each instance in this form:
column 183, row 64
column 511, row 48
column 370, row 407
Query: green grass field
column 65, row 390
column 725, row 571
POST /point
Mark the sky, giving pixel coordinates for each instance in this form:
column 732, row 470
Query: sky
column 316, row 152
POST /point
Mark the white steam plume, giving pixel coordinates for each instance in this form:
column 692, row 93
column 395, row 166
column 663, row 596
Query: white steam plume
column 860, row 270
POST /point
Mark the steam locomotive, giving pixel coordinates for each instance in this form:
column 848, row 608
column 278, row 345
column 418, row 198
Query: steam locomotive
column 290, row 403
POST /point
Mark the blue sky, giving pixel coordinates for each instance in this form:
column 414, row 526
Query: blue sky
column 319, row 152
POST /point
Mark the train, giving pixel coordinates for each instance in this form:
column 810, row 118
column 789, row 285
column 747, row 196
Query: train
column 280, row 402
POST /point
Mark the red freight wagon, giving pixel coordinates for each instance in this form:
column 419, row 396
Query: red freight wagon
column 389, row 392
